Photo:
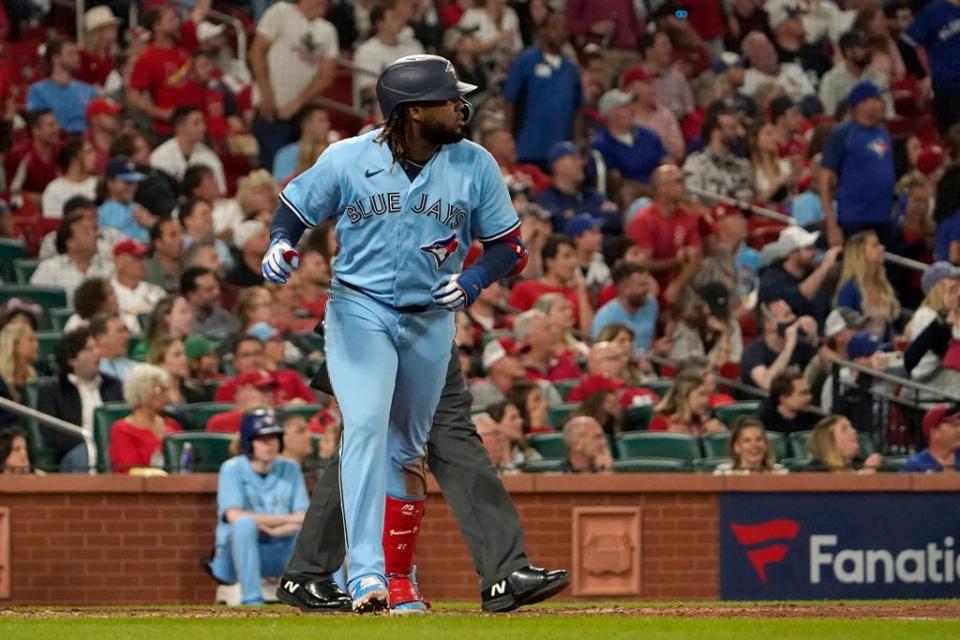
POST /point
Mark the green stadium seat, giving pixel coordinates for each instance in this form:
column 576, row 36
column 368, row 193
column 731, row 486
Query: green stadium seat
column 637, row 418
column 104, row 417
column 679, row 446
column 564, row 387
column 542, row 466
column 798, row 444
column 10, row 250
column 659, row 386
column 41, row 456
column 46, row 297
column 727, row 414
column 198, row 414
column 708, row 465
column 23, row 268
column 210, row 450
column 549, row 445
column 798, row 463
column 650, row 465
column 59, row 317
column 557, row 415
column 305, row 410
column 867, row 445
column 477, row 409
column 893, row 464
column 311, row 340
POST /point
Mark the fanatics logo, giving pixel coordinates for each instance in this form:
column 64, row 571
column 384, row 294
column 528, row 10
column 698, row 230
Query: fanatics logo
column 751, row 535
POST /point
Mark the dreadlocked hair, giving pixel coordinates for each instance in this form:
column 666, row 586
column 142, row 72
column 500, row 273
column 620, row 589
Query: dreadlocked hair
column 394, row 133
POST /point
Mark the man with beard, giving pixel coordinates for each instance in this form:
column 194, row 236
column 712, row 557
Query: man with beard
column 633, row 306
column 854, row 67
column 61, row 93
column 717, row 168
column 408, row 199
column 798, row 279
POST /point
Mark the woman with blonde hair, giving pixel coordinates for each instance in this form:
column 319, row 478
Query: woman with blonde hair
column 257, row 192
column 772, row 175
column 137, row 440
column 749, row 450
column 171, row 317
column 685, row 407
column 559, row 313
column 864, row 286
column 934, row 325
column 833, row 446
column 18, row 352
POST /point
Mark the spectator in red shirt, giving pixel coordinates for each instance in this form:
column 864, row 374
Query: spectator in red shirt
column 32, row 165
column 667, row 234
column 561, row 275
column 786, row 118
column 544, row 357
column 607, row 369
column 501, row 145
column 254, row 390
column 216, row 100
column 162, row 79
column 99, row 45
column 137, row 440
column 248, row 355
column 102, row 128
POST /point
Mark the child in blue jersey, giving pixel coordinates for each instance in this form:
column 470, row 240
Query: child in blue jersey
column 261, row 501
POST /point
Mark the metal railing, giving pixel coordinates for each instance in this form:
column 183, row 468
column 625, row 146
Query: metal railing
column 57, row 424
column 776, row 216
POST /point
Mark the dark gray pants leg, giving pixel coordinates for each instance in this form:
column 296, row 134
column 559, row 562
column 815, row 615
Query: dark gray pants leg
column 470, row 484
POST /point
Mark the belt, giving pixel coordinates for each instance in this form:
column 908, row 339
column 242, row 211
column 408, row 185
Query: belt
column 413, row 308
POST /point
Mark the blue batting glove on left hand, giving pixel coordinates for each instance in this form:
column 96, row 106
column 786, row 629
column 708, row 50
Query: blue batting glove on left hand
column 459, row 291
column 279, row 262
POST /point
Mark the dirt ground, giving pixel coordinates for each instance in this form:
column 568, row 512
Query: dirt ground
column 847, row 610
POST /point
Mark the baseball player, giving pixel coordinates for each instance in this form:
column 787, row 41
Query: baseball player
column 471, row 486
column 408, row 199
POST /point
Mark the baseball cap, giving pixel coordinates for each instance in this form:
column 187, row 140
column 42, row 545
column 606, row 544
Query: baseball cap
column 795, row 237
column 580, row 223
column 843, row 318
column 593, row 384
column 722, row 212
column 497, row 350
column 130, row 247
column 937, row 272
column 864, row 344
column 123, row 168
column 636, row 73
column 77, row 202
column 245, row 231
column 99, row 16
column 560, row 150
column 930, row 159
column 264, row 331
column 779, row 106
column 197, row 346
column 256, row 378
column 207, row 30
column 726, row 60
column 613, row 99
column 862, row 91
column 102, row 106
column 780, row 12
column 717, row 297
column 853, row 38
column 937, row 415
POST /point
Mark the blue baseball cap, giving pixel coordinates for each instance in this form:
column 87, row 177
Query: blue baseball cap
column 123, row 168
column 580, row 223
column 560, row 150
column 862, row 91
column 728, row 59
column 864, row 345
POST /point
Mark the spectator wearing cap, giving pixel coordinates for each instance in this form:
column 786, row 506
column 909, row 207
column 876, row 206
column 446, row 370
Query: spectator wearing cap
column 253, row 390
column 77, row 160
column 730, row 260
column 857, row 166
column 119, row 210
column 561, row 275
column 161, row 80
column 857, row 388
column 766, row 67
column 385, row 45
column 667, row 235
column 784, row 340
column 543, row 94
column 716, row 168
column 517, row 176
column 202, row 291
column 649, row 113
column 65, row 96
column 853, row 68
column 202, row 359
column 670, row 86
column 635, row 305
column 840, row 326
column 703, row 326
column 159, row 192
column 941, row 428
column 99, row 45
column 134, row 295
column 166, row 254
column 186, row 147
column 103, row 125
column 568, row 194
column 942, row 46
column 249, row 356
column 790, row 38
column 106, row 238
column 137, row 440
column 77, row 257
column 946, row 215
column 504, row 368
column 786, row 409
column 284, row 84
column 630, row 153
column 797, row 278
column 589, row 451
column 932, row 328
column 32, row 164
column 251, row 239
column 112, row 338
column 584, row 230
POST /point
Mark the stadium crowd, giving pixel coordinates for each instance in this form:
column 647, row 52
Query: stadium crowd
column 142, row 164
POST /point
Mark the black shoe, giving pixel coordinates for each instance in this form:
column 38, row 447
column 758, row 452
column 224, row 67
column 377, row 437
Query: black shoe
column 321, row 595
column 522, row 587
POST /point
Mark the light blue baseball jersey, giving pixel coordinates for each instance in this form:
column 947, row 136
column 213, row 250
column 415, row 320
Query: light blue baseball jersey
column 381, row 216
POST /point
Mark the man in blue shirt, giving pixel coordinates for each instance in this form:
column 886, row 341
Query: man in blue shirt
column 941, row 426
column 60, row 93
column 567, row 196
column 630, row 153
column 857, row 170
column 937, row 29
column 543, row 93
column 633, row 306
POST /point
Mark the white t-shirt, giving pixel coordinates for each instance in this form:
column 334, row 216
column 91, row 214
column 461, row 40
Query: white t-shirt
column 169, row 157
column 486, row 30
column 374, row 56
column 227, row 216
column 132, row 302
column 60, row 190
column 297, row 47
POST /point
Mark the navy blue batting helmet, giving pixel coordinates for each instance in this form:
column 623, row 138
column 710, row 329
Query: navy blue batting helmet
column 419, row 78
column 259, row 424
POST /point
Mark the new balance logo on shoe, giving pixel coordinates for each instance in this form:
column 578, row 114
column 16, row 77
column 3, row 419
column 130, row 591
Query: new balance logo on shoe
column 498, row 589
column 290, row 586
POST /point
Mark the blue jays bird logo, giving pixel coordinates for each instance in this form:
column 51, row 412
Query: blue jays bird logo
column 878, row 146
column 442, row 249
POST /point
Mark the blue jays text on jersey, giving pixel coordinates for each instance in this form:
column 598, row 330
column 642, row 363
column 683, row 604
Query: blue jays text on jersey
column 380, row 213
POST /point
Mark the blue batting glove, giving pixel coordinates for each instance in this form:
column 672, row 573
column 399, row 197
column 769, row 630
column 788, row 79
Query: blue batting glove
column 279, row 262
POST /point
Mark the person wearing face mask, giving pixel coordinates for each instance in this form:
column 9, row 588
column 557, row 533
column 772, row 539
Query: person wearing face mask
column 749, row 450
column 854, row 67
column 717, row 168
